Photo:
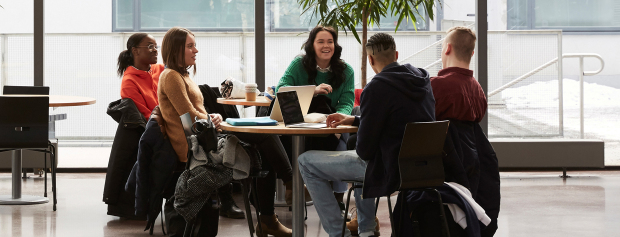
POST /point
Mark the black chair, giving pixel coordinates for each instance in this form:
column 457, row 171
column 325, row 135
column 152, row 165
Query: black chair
column 33, row 90
column 24, row 125
column 250, row 181
column 26, row 90
column 420, row 163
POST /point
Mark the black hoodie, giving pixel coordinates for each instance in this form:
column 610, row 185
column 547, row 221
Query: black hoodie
column 398, row 95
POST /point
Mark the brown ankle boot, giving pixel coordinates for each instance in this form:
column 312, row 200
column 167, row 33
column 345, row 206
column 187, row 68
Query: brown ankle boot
column 288, row 195
column 352, row 226
column 272, row 226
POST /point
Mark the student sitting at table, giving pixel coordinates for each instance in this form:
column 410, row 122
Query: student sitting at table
column 322, row 66
column 137, row 65
column 178, row 94
column 397, row 95
column 460, row 99
column 140, row 71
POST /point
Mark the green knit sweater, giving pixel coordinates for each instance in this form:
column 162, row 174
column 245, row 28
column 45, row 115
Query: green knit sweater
column 342, row 98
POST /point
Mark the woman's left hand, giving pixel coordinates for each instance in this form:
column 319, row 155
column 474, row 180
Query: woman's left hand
column 216, row 119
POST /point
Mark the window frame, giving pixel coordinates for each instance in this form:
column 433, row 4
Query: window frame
column 530, row 18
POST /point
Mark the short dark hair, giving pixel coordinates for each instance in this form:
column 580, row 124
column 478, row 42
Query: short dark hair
column 463, row 41
column 173, row 50
column 382, row 47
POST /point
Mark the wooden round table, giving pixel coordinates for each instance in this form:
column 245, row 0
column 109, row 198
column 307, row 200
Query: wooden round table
column 298, row 148
column 67, row 100
column 260, row 101
column 54, row 101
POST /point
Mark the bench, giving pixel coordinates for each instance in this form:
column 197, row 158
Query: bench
column 549, row 153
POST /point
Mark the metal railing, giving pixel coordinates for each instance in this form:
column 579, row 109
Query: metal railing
column 581, row 74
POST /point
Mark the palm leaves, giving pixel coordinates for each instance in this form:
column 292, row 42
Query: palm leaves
column 347, row 14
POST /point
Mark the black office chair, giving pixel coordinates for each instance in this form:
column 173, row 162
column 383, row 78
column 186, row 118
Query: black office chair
column 420, row 165
column 251, row 181
column 24, row 125
column 33, row 90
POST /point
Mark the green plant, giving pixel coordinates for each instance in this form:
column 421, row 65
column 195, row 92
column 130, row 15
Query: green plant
column 347, row 14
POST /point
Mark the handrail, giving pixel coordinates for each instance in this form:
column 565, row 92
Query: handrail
column 587, row 55
column 547, row 64
column 521, row 78
column 581, row 74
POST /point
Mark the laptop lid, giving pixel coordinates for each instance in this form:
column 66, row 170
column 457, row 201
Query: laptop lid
column 421, row 152
column 304, row 94
column 186, row 121
column 289, row 105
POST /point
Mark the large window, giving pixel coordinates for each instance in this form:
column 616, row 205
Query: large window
column 569, row 15
column 223, row 15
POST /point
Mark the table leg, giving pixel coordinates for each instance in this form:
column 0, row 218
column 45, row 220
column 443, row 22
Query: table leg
column 298, row 189
column 17, row 198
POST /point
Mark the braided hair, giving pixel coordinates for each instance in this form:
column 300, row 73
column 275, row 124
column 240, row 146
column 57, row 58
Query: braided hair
column 380, row 42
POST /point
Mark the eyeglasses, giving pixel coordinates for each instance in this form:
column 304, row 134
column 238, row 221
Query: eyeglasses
column 151, row 47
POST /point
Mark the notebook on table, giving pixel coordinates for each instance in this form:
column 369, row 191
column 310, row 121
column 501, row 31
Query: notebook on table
column 291, row 111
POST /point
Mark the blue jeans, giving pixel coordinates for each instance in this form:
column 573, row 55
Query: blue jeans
column 317, row 169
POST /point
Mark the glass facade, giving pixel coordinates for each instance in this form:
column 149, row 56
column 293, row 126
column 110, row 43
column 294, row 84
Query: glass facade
column 123, row 17
column 571, row 15
column 226, row 15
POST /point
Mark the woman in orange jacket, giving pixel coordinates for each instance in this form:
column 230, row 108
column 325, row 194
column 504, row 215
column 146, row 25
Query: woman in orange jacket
column 140, row 71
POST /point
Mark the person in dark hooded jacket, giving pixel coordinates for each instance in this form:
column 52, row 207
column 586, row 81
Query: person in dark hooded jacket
column 397, row 95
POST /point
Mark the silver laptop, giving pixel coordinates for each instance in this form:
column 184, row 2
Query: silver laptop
column 291, row 111
column 304, row 93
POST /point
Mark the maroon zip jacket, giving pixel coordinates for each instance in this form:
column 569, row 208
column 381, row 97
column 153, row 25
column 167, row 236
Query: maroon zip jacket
column 458, row 95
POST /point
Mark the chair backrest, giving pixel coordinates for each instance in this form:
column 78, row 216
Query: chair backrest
column 26, row 90
column 24, row 121
column 420, row 158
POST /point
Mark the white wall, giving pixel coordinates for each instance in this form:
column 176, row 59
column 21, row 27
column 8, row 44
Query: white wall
column 458, row 9
column 61, row 16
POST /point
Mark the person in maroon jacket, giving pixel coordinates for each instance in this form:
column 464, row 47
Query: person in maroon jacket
column 460, row 99
column 457, row 94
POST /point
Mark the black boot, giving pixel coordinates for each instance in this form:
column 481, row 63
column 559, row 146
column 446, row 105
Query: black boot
column 228, row 206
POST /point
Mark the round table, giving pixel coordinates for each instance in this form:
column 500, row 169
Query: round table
column 260, row 101
column 67, row 100
column 55, row 101
column 298, row 148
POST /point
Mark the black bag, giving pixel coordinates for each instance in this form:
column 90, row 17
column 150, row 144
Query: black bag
column 205, row 224
column 205, row 133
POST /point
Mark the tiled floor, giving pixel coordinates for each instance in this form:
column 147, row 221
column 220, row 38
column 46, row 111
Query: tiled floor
column 533, row 204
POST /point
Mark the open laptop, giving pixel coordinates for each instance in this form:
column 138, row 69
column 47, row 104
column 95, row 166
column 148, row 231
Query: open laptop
column 421, row 153
column 291, row 111
column 304, row 93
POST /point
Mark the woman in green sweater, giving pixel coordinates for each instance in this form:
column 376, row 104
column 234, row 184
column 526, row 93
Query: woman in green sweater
column 321, row 66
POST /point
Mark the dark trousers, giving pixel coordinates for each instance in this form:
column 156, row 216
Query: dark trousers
column 275, row 161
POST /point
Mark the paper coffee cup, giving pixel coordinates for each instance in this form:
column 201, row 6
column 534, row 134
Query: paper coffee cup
column 251, row 90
